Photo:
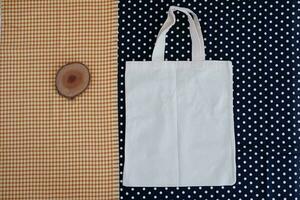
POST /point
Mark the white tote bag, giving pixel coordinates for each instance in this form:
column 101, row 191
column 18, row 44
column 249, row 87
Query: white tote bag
column 179, row 117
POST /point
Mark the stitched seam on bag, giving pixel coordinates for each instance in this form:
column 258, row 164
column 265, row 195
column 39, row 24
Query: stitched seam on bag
column 233, row 146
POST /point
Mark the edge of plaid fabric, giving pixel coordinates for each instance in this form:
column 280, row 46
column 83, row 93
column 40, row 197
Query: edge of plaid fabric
column 51, row 147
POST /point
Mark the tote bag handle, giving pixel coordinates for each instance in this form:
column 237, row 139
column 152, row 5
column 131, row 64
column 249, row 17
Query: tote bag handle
column 198, row 52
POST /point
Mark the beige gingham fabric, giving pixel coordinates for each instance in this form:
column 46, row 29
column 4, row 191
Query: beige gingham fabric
column 52, row 147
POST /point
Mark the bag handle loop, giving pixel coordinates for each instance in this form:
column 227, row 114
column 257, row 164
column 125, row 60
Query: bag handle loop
column 198, row 52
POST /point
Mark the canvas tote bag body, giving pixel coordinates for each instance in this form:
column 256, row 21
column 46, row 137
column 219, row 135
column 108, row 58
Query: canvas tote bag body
column 179, row 117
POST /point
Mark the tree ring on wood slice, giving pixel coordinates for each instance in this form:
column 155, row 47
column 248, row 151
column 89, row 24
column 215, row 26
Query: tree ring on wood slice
column 72, row 79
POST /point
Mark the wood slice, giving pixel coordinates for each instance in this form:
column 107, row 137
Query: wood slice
column 72, row 79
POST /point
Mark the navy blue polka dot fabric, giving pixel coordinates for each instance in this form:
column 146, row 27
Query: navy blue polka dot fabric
column 261, row 38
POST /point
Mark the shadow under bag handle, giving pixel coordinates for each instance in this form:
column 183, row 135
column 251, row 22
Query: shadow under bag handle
column 198, row 52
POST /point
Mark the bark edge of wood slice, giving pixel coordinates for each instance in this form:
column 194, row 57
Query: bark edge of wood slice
column 72, row 79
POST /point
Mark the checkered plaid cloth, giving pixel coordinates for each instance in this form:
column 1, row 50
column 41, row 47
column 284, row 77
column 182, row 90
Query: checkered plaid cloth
column 52, row 147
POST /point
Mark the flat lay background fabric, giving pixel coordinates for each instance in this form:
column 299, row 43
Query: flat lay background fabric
column 52, row 147
column 262, row 40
